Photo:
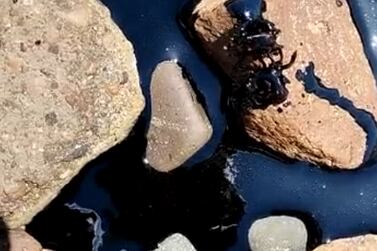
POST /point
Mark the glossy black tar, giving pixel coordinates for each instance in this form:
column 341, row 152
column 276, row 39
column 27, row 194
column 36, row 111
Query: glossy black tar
column 260, row 80
column 138, row 207
column 257, row 80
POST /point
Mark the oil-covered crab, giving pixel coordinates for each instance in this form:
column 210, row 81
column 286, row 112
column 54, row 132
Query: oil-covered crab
column 260, row 80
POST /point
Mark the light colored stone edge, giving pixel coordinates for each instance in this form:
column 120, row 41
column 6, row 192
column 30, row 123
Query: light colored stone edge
column 175, row 239
column 359, row 243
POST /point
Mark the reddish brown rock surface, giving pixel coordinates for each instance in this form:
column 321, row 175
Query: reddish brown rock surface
column 306, row 126
column 360, row 243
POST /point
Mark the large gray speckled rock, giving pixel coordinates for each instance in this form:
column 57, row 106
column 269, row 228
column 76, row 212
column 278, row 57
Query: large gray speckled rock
column 278, row 233
column 69, row 90
column 176, row 242
column 179, row 125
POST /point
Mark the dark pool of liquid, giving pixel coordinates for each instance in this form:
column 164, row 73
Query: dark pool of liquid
column 121, row 205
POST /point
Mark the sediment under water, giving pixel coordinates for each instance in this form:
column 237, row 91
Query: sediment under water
column 139, row 207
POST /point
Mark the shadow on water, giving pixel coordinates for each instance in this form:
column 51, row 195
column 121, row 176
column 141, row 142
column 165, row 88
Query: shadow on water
column 143, row 206
column 4, row 236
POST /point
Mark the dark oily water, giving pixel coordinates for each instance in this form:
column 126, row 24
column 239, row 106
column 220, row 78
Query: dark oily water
column 118, row 204
column 365, row 16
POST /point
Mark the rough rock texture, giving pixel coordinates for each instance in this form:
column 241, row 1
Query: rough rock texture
column 360, row 243
column 278, row 233
column 69, row 90
column 306, row 126
column 175, row 242
column 179, row 125
column 330, row 39
column 21, row 241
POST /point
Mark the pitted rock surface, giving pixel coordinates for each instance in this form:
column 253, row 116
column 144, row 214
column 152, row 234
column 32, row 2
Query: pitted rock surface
column 69, row 90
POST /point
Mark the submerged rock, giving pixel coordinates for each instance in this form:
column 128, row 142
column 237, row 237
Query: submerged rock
column 175, row 242
column 359, row 243
column 179, row 125
column 307, row 125
column 278, row 233
column 69, row 90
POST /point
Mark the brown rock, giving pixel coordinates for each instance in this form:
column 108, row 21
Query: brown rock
column 179, row 125
column 305, row 126
column 330, row 39
column 360, row 243
column 56, row 110
column 21, row 241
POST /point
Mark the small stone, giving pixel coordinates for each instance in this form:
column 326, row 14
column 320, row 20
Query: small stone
column 175, row 242
column 359, row 243
column 21, row 241
column 278, row 233
column 179, row 125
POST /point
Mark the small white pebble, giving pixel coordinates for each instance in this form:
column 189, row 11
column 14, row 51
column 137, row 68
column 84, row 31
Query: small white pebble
column 145, row 161
column 278, row 233
column 176, row 242
column 247, row 14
